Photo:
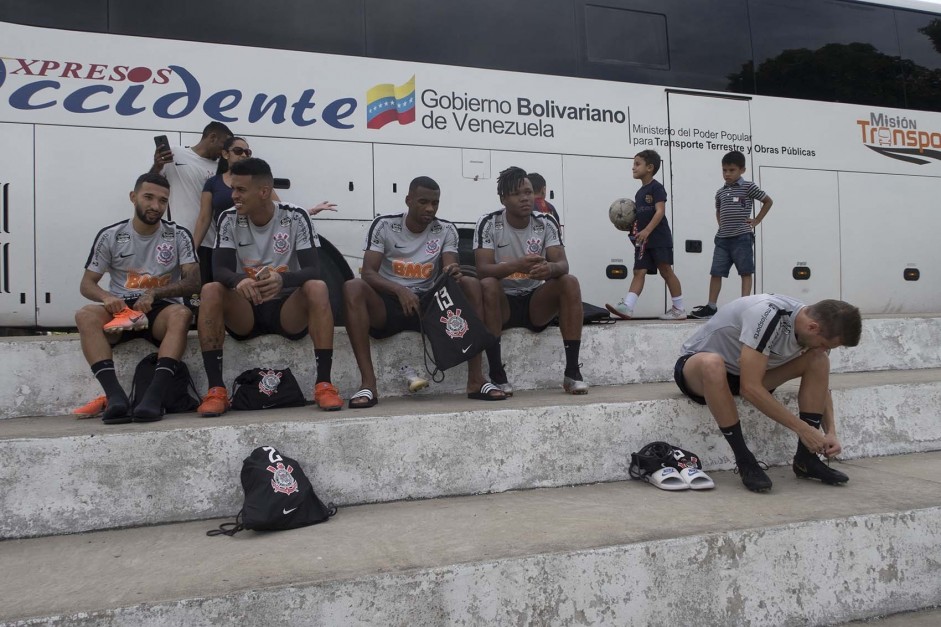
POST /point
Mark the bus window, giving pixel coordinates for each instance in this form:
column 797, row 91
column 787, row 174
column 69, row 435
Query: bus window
column 826, row 50
column 90, row 15
column 920, row 38
column 684, row 44
column 330, row 26
column 623, row 36
column 494, row 34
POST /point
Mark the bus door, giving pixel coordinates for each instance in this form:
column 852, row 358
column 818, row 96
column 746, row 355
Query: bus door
column 599, row 255
column 702, row 129
column 17, row 279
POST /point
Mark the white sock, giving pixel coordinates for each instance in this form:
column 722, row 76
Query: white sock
column 678, row 302
column 631, row 299
column 714, row 305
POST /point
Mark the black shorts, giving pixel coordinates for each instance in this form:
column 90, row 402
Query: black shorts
column 733, row 379
column 396, row 319
column 268, row 321
column 519, row 313
column 145, row 334
column 652, row 257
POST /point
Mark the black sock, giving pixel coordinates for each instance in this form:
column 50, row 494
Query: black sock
column 495, row 363
column 212, row 362
column 733, row 435
column 814, row 421
column 324, row 360
column 571, row 359
column 104, row 372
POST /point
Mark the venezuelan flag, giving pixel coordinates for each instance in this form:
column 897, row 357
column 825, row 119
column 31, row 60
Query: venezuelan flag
column 387, row 103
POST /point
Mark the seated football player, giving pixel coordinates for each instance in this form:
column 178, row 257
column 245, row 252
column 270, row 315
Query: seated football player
column 151, row 264
column 753, row 345
column 403, row 254
column 267, row 280
column 525, row 278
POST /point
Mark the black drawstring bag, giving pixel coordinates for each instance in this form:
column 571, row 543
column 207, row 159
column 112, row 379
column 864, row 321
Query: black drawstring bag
column 176, row 398
column 266, row 388
column 451, row 326
column 278, row 495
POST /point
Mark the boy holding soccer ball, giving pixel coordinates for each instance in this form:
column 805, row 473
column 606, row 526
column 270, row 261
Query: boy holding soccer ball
column 653, row 240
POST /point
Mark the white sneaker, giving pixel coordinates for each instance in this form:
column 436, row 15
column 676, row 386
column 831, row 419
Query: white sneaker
column 620, row 310
column 415, row 381
column 674, row 314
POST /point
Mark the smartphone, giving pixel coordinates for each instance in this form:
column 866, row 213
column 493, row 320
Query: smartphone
column 162, row 142
column 282, row 183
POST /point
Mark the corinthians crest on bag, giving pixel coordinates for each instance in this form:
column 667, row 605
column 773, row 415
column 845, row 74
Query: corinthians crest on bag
column 450, row 324
column 266, row 388
column 278, row 495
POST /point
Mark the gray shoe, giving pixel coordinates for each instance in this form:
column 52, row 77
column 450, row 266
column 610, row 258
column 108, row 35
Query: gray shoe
column 414, row 380
column 506, row 387
column 572, row 386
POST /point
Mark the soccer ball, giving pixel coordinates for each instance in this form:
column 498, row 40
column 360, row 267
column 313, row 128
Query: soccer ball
column 622, row 214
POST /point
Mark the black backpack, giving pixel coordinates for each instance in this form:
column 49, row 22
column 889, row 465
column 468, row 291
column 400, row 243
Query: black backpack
column 278, row 495
column 177, row 398
column 657, row 455
column 266, row 388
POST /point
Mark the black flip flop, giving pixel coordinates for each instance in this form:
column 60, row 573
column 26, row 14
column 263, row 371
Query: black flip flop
column 366, row 393
column 484, row 393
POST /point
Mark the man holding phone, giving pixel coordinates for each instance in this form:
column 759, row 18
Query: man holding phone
column 187, row 169
column 267, row 280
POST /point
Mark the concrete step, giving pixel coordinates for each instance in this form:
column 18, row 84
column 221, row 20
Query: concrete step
column 47, row 375
column 61, row 475
column 609, row 554
column 918, row 618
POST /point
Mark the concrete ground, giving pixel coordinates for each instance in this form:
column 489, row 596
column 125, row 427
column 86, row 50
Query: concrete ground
column 164, row 564
column 924, row 618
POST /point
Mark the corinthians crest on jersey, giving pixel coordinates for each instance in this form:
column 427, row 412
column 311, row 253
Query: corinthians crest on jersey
column 283, row 481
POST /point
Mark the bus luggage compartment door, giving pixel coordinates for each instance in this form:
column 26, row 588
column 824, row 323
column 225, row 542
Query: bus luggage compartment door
column 703, row 129
column 17, row 274
column 800, row 237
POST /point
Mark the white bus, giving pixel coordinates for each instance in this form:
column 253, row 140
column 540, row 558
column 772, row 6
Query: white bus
column 835, row 105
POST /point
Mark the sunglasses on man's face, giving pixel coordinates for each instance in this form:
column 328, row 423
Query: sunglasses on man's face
column 242, row 151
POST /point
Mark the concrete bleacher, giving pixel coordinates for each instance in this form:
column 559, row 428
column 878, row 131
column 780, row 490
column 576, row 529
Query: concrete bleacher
column 465, row 512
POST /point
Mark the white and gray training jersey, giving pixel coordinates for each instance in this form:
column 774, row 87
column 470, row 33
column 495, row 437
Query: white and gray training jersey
column 411, row 259
column 187, row 174
column 508, row 244
column 273, row 244
column 764, row 322
column 137, row 263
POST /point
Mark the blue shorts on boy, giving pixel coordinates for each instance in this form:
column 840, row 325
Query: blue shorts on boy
column 735, row 240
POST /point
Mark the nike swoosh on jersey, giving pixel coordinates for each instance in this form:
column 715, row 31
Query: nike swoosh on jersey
column 502, row 245
column 126, row 256
column 241, row 244
column 397, row 246
column 288, row 511
column 464, row 350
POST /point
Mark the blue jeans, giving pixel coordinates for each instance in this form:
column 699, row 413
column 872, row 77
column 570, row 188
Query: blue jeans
column 738, row 250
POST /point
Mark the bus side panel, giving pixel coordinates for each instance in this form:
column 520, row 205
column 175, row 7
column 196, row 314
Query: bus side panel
column 83, row 178
column 463, row 198
column 696, row 175
column 802, row 230
column 17, row 233
column 888, row 226
column 592, row 242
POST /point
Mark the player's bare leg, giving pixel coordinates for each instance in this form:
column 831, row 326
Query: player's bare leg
column 309, row 307
column 747, row 284
column 475, row 375
column 362, row 308
column 563, row 295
